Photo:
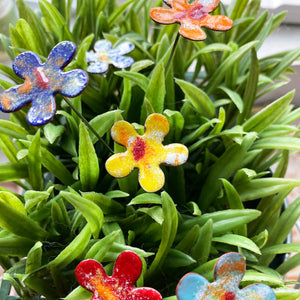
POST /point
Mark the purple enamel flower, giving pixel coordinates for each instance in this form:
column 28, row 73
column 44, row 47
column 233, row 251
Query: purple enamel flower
column 229, row 271
column 100, row 59
column 43, row 82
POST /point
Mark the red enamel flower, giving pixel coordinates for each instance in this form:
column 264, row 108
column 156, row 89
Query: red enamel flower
column 120, row 286
column 191, row 17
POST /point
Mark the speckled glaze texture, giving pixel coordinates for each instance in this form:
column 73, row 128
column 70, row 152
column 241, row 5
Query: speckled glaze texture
column 191, row 17
column 100, row 59
column 42, row 82
column 145, row 152
column 120, row 286
column 229, row 271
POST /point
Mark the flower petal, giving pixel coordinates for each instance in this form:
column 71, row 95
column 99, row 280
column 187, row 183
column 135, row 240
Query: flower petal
column 91, row 56
column 210, row 5
column 86, row 270
column 151, row 178
column 145, row 293
column 122, row 49
column 190, row 286
column 123, row 133
column 256, row 291
column 230, row 266
column 128, row 268
column 98, row 67
column 221, row 23
column 61, row 54
column 192, row 30
column 25, row 63
column 13, row 99
column 121, row 62
column 175, row 154
column 102, row 46
column 177, row 4
column 42, row 110
column 163, row 15
column 156, row 127
column 73, row 83
column 120, row 165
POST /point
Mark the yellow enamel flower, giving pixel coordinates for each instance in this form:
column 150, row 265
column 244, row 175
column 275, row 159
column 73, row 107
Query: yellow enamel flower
column 145, row 152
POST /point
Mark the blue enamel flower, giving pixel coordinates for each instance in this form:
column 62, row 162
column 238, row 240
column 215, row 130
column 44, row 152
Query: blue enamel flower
column 229, row 271
column 43, row 82
column 104, row 55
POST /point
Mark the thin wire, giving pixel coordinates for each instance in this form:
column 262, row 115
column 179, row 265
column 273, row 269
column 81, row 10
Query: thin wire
column 83, row 119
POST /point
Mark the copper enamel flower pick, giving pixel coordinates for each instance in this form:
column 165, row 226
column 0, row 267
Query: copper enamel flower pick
column 191, row 17
column 100, row 59
column 229, row 271
column 120, row 286
column 145, row 152
column 43, row 82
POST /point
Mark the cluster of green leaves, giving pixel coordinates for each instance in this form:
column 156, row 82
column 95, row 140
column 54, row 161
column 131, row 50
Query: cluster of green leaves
column 223, row 199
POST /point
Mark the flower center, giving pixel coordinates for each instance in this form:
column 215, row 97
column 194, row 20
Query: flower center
column 198, row 12
column 229, row 296
column 41, row 79
column 138, row 150
column 103, row 56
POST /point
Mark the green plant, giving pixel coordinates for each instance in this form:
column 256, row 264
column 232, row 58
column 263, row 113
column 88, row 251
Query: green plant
column 72, row 209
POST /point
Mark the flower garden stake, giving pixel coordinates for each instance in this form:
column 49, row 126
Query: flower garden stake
column 120, row 286
column 191, row 17
column 229, row 271
column 104, row 55
column 145, row 152
column 42, row 82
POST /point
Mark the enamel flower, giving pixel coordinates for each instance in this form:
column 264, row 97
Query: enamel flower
column 42, row 82
column 191, row 17
column 229, row 271
column 145, row 152
column 104, row 55
column 120, row 286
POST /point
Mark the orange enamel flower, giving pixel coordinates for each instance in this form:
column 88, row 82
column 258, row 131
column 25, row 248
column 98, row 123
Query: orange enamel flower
column 145, row 152
column 191, row 17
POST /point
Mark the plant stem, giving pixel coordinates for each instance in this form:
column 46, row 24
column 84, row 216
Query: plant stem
column 83, row 119
column 172, row 52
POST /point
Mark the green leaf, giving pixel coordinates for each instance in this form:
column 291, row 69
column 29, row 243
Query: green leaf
column 141, row 80
column 12, row 129
column 53, row 132
column 34, row 258
column 219, row 74
column 15, row 246
column 237, row 240
column 73, row 250
column 169, row 229
column 91, row 211
column 285, row 293
column 13, row 171
column 283, row 142
column 282, row 248
column 35, row 163
column 235, row 97
column 27, row 34
column 156, row 89
column 200, row 100
column 13, row 218
column 55, row 22
column 261, row 120
column 101, row 247
column 263, row 187
column 88, row 164
column 103, row 123
column 146, row 198
column 176, row 259
column 33, row 198
column 212, row 185
column 252, row 276
column 118, row 12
